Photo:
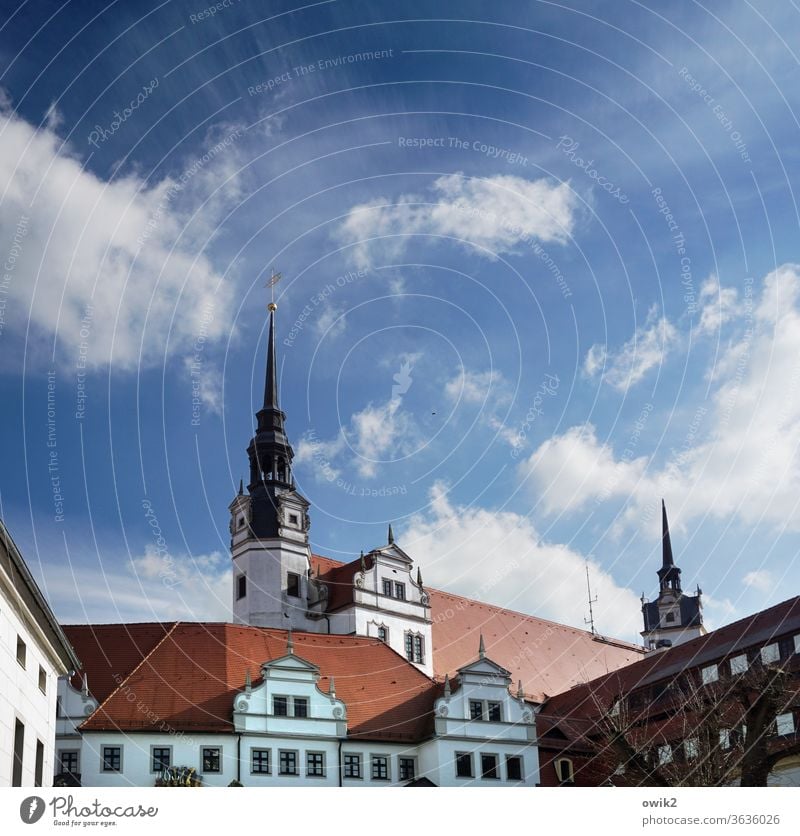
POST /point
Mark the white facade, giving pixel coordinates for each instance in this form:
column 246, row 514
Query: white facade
column 33, row 654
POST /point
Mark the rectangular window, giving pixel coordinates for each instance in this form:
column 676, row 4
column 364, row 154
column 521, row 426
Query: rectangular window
column 664, row 755
column 259, row 761
column 42, row 680
column 770, row 653
column 112, row 758
column 241, row 587
column 352, row 765
column 738, row 664
column 315, row 764
column 383, row 634
column 69, row 762
column 463, row 765
column 211, row 759
column 400, row 591
column 19, row 748
column 380, row 768
column 294, row 519
column 784, row 724
column 161, row 758
column 564, row 771
column 419, row 650
column 493, row 710
column 280, row 706
column 288, row 762
column 409, row 647
column 797, row 643
column 408, row 769
column 22, row 651
column 475, row 710
column 387, row 587
column 39, row 767
column 691, row 748
column 293, row 585
column 300, row 707
column 514, row 768
column 709, row 674
column 489, row 766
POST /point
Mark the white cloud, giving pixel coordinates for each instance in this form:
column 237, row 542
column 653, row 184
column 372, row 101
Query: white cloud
column 720, row 305
column 498, row 557
column 152, row 587
column 739, row 454
column 128, row 251
column 330, row 323
column 759, row 579
column 500, row 215
column 379, row 432
column 646, row 349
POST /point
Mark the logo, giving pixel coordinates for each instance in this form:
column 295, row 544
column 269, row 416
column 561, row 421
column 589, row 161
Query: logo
column 31, row 809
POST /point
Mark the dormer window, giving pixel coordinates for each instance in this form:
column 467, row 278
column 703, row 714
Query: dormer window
column 294, row 520
column 670, row 616
column 240, row 522
column 400, row 591
column 387, row 587
column 280, row 706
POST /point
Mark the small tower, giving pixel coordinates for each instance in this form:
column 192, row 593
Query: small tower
column 269, row 525
column 673, row 617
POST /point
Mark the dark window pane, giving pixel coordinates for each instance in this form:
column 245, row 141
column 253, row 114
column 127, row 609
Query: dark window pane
column 464, row 765
column 493, row 709
column 419, row 655
column 69, row 762
column 21, row 651
column 241, row 586
column 288, row 763
column 400, row 591
column 293, row 585
column 112, row 758
column 300, row 707
column 161, row 758
column 489, row 766
column 19, row 748
column 514, row 769
column 407, row 769
column 211, row 760
column 387, row 587
column 260, row 761
column 39, row 766
column 476, row 709
column 380, row 768
column 280, row 707
column 409, row 647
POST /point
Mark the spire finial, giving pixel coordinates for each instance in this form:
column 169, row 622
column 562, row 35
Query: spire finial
column 363, row 562
column 85, row 684
column 481, row 649
column 447, row 685
column 332, row 688
column 520, row 692
column 248, row 682
column 419, row 577
column 241, row 487
column 289, row 642
column 390, row 539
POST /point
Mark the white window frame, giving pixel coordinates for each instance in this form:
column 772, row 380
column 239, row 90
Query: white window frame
column 77, row 753
column 103, row 747
column 359, row 759
column 770, row 653
column 571, row 770
column 387, row 758
column 253, row 750
column 202, row 758
column 296, row 773
column 709, row 674
column 324, row 772
column 496, row 756
column 411, row 758
column 739, row 664
column 456, row 756
column 159, row 746
column 307, row 701
column 784, row 724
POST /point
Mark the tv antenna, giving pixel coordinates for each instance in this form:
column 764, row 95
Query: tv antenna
column 590, row 619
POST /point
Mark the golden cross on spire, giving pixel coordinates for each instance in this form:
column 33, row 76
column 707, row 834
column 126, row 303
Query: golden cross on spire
column 273, row 280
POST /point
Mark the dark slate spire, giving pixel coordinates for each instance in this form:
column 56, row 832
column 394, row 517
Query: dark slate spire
column 669, row 575
column 390, row 535
column 271, row 382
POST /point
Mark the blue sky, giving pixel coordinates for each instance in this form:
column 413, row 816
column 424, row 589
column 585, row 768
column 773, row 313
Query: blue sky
column 539, row 270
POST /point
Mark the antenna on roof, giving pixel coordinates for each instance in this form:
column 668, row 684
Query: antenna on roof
column 590, row 619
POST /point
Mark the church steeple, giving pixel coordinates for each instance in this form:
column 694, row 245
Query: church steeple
column 669, row 575
column 270, row 452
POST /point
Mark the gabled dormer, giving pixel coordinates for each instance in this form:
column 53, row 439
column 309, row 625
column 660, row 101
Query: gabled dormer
column 482, row 703
column 288, row 701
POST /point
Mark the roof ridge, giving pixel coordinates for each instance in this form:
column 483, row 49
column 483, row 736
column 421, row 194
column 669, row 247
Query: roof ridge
column 133, row 671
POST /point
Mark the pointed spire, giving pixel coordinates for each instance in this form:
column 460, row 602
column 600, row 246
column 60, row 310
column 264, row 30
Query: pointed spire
column 289, row 642
column 481, row 649
column 85, row 684
column 248, row 682
column 666, row 543
column 520, row 692
column 271, row 382
column 241, row 487
column 363, row 562
column 332, row 688
column 447, row 686
column 419, row 577
column 390, row 539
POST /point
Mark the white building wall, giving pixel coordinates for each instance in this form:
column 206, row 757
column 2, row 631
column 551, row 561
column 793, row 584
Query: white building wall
column 20, row 696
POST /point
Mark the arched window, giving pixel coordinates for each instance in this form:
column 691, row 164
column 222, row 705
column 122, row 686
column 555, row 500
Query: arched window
column 564, row 771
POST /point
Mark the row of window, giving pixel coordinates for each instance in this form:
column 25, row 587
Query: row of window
column 415, row 648
column 22, row 658
column 394, row 589
column 489, row 766
column 18, row 757
column 260, row 762
column 486, row 710
column 298, row 705
column 769, row 654
column 292, row 586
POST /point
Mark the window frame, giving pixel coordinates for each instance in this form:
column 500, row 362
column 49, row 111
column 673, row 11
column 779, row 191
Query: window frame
column 706, row 674
column 42, row 679
column 387, row 587
column 348, row 760
column 518, row 760
column 241, row 586
column 304, row 702
column 464, row 757
column 665, row 754
column 385, row 631
column 774, row 651
column 495, row 768
column 738, row 668
column 203, row 750
column 77, row 756
column 400, row 591
column 476, row 710
column 322, row 766
column 376, row 760
column 779, row 717
column 691, row 748
column 418, row 643
column 275, row 699
column 408, row 645
column 293, row 585
column 558, row 764
column 104, row 767
column 153, row 770
column 294, row 753
column 402, row 761
column 490, row 704
column 22, row 652
column 261, row 752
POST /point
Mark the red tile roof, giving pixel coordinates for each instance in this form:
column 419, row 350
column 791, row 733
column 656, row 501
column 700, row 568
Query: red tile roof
column 546, row 656
column 189, row 679
column 339, row 580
